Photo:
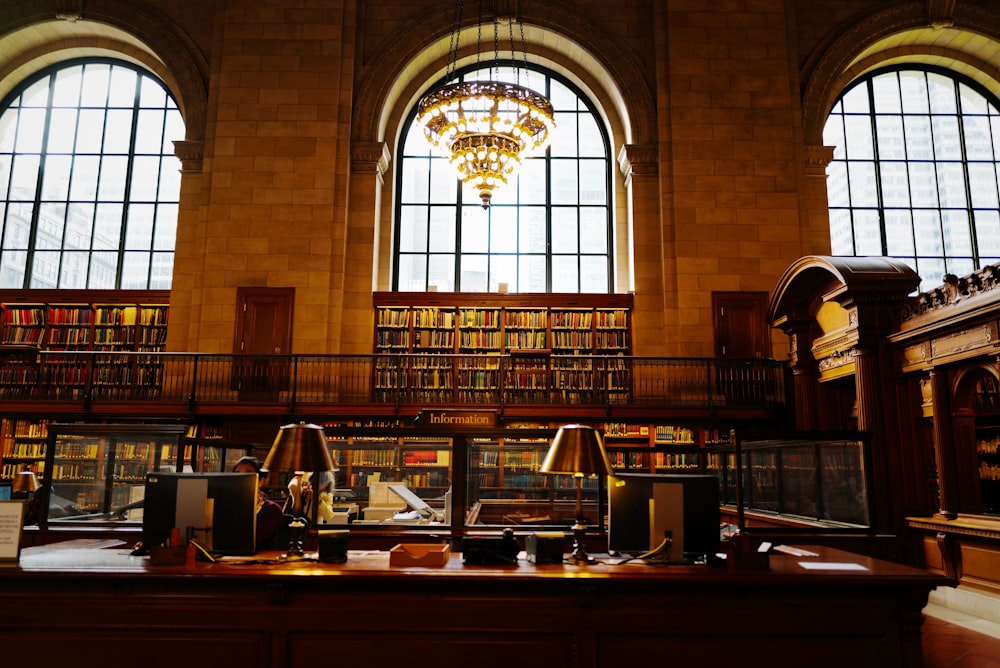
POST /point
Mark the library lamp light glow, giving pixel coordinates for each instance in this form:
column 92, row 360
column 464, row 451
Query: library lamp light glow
column 24, row 483
column 300, row 447
column 577, row 450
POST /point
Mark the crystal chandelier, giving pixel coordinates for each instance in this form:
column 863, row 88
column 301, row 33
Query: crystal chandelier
column 485, row 128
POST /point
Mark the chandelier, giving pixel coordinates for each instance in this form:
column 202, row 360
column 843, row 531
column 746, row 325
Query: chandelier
column 485, row 128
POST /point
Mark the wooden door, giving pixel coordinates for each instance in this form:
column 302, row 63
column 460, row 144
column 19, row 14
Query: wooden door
column 263, row 330
column 741, row 330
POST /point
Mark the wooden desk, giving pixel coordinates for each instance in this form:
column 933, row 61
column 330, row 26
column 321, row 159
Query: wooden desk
column 101, row 607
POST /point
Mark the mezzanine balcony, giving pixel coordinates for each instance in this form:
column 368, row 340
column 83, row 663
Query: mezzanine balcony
column 385, row 383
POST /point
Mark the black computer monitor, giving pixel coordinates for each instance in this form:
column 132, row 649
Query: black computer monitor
column 181, row 500
column 642, row 506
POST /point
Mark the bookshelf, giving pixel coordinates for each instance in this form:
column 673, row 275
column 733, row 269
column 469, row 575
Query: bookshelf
column 23, row 446
column 549, row 339
column 96, row 469
column 84, row 320
column 424, row 464
column 662, row 448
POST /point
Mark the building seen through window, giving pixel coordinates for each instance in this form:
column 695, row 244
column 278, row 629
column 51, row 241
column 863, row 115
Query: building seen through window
column 914, row 174
column 89, row 183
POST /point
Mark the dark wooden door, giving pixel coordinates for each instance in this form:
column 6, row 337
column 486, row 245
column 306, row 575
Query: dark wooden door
column 263, row 330
column 741, row 329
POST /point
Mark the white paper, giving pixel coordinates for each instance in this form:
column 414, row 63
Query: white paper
column 831, row 566
column 11, row 521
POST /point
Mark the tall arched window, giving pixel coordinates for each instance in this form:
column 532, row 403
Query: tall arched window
column 548, row 230
column 914, row 172
column 89, row 182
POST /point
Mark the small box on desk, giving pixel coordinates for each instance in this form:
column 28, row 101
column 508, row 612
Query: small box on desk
column 406, row 554
column 544, row 547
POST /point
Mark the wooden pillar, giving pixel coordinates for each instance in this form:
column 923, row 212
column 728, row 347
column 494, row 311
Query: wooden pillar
column 944, row 445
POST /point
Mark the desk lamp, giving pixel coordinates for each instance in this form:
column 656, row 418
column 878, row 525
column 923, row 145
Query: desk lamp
column 24, row 484
column 577, row 450
column 300, row 447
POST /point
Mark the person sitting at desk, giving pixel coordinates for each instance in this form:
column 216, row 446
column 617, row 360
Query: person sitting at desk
column 269, row 515
column 300, row 497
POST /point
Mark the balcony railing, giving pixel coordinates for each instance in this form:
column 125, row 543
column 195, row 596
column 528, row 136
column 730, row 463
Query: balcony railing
column 485, row 380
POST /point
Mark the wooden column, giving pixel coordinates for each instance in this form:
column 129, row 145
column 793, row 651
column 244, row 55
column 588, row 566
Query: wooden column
column 944, row 445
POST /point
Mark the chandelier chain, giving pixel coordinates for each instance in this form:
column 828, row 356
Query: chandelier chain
column 453, row 45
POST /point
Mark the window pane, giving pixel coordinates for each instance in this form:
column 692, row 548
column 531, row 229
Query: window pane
column 90, row 135
column 79, row 226
column 145, row 178
column 31, row 125
column 837, row 185
column 66, row 91
column 474, row 273
column 983, row 185
column 941, row 91
column 951, row 185
column 564, row 231
column 841, row 232
column 913, row 89
column 62, row 131
column 94, row 91
column 923, row 184
column 564, row 142
column 978, row 143
column 531, row 183
column 149, row 131
column 919, row 143
column 135, row 271
column 593, row 182
column 475, row 231
column 114, row 171
column 927, row 225
column 56, row 181
column 103, row 271
column 413, row 229
column 73, row 273
column 441, row 272
column 12, row 265
column 947, row 143
column 108, row 228
column 957, row 235
column 862, row 180
column 858, row 137
column 165, row 236
column 531, row 273
column 564, row 273
column 899, row 233
column 988, row 232
column 503, row 230
column 565, row 186
column 593, row 230
column 885, row 91
column 139, row 230
column 867, row 233
column 84, row 183
column 593, row 274
column 890, row 138
column 412, row 273
column 442, row 230
column 895, row 184
column 443, row 181
column 503, row 269
column 51, row 222
column 531, row 230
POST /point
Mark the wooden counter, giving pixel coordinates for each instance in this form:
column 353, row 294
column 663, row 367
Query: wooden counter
column 68, row 606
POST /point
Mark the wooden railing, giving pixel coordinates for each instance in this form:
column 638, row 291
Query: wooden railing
column 482, row 380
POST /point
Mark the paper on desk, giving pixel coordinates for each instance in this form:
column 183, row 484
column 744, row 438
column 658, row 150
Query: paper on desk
column 831, row 566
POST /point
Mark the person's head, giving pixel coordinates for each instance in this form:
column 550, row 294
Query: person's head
column 251, row 465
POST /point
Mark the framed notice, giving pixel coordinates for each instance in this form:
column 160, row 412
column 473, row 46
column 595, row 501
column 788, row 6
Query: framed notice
column 11, row 523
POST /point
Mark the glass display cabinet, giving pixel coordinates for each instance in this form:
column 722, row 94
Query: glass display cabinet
column 97, row 472
column 816, row 476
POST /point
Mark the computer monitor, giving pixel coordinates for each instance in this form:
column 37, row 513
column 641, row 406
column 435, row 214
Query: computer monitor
column 643, row 506
column 226, row 502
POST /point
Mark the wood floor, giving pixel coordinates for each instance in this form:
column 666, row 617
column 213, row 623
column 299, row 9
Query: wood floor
column 952, row 645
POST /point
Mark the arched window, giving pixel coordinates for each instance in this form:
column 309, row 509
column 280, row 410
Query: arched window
column 547, row 230
column 914, row 173
column 89, row 182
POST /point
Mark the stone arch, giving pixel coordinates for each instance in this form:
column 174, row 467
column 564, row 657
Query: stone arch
column 117, row 28
column 846, row 58
column 555, row 33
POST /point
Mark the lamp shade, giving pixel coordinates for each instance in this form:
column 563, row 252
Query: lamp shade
column 24, row 481
column 299, row 447
column 577, row 450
